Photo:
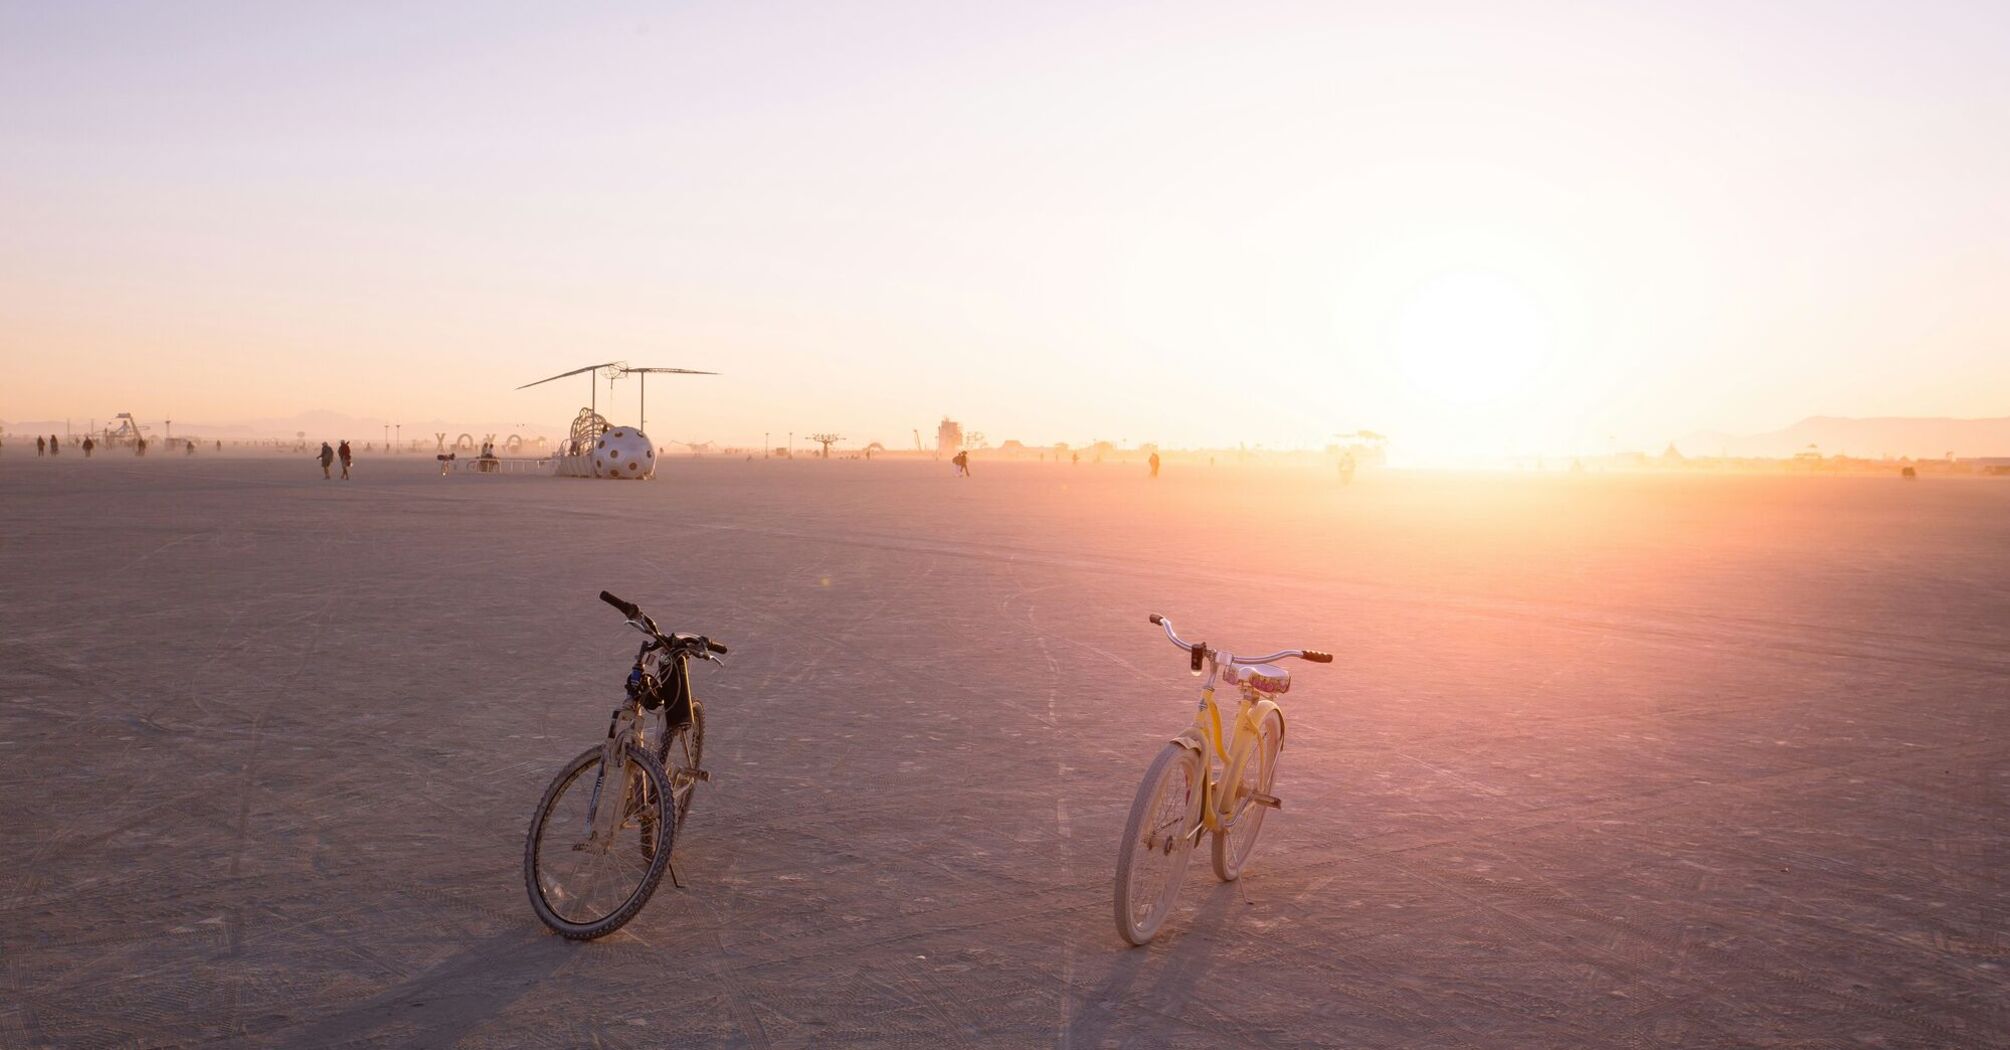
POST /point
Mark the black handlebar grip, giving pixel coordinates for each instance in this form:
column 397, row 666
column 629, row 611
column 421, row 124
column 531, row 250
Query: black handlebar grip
column 714, row 646
column 1156, row 618
column 628, row 609
column 1318, row 657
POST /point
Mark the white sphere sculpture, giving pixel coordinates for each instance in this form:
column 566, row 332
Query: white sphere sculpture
column 623, row 452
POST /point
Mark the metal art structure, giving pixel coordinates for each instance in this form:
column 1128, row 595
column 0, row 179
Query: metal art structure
column 586, row 428
column 593, row 439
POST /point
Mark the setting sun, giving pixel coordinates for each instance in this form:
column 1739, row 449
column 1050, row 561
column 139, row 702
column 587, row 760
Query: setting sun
column 1472, row 337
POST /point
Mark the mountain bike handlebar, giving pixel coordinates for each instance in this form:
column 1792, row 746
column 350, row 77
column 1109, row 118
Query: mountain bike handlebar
column 1200, row 650
column 634, row 614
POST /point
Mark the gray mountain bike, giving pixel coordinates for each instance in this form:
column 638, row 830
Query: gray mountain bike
column 601, row 838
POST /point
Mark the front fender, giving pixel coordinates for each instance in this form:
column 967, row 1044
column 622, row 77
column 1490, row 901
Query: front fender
column 1191, row 739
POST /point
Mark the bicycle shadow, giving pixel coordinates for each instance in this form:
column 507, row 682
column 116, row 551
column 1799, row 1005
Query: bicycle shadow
column 450, row 1000
column 1176, row 961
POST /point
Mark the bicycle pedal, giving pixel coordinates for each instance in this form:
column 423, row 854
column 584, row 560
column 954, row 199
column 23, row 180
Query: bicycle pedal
column 1262, row 799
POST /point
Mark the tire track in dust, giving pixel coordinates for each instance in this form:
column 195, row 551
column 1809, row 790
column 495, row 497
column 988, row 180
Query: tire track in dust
column 1064, row 1022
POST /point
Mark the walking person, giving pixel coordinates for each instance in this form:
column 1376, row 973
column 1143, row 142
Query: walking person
column 41, row 447
column 1154, row 461
column 54, row 448
column 346, row 456
column 327, row 458
column 962, row 461
column 88, row 446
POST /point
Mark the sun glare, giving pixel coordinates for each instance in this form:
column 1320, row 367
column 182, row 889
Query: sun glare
column 1472, row 337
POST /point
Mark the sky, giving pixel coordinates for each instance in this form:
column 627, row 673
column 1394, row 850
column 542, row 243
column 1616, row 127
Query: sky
column 1479, row 228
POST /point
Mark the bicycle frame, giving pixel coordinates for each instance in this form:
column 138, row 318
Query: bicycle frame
column 625, row 726
column 1204, row 738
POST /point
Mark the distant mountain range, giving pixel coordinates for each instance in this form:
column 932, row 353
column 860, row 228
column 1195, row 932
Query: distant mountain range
column 1928, row 437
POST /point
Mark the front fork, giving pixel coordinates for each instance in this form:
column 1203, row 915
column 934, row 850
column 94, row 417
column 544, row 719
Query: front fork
column 603, row 820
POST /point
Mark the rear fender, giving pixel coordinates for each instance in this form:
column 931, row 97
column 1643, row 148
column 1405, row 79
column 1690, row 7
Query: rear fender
column 1259, row 709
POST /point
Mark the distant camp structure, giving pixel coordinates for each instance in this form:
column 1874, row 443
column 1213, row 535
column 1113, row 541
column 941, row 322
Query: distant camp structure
column 948, row 437
column 128, row 433
column 1368, row 448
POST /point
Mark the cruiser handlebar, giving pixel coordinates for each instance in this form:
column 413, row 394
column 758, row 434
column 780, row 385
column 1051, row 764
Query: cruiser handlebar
column 1200, row 651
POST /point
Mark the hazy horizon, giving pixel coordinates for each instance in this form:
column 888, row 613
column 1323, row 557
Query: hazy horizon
column 1480, row 231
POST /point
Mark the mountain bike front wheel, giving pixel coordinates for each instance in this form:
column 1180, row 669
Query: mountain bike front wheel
column 1259, row 771
column 584, row 885
column 1158, row 842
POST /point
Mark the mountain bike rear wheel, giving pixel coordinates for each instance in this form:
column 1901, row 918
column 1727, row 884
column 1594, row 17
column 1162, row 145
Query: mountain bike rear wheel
column 682, row 753
column 582, row 888
column 1259, row 771
column 1157, row 843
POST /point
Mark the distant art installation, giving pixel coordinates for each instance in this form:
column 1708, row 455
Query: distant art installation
column 595, row 449
column 623, row 452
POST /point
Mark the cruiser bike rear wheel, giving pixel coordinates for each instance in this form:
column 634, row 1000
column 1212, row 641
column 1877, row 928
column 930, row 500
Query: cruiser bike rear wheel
column 1258, row 773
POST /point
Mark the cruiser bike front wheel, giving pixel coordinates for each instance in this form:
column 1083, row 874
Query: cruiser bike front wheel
column 1157, row 842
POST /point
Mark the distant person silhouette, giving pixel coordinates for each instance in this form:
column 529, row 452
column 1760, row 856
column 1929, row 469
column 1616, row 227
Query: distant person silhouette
column 962, row 461
column 327, row 458
column 55, row 447
column 1154, row 461
column 188, row 449
column 41, row 446
column 1074, row 459
column 219, row 446
column 88, row 446
column 140, row 446
column 345, row 456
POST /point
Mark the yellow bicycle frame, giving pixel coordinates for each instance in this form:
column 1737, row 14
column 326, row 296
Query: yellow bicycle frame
column 1204, row 738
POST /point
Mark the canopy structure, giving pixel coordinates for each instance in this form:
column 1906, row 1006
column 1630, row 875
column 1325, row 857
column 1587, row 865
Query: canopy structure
column 642, row 423
column 613, row 370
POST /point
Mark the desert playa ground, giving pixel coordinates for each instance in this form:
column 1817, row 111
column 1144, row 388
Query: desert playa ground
column 1605, row 761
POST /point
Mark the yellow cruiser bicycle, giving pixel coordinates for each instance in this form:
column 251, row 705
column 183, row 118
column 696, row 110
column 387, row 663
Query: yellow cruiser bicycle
column 1186, row 793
